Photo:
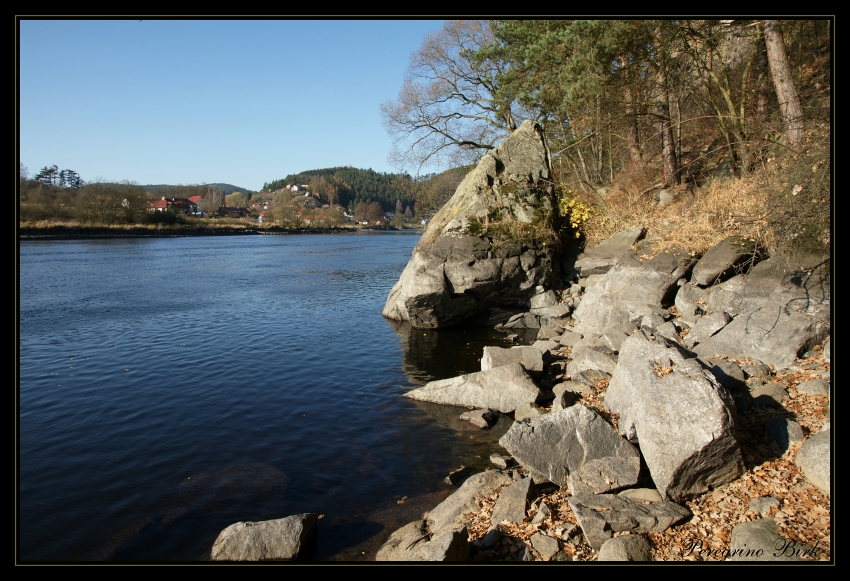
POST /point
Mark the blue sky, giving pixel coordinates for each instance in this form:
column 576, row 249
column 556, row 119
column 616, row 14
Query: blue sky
column 205, row 101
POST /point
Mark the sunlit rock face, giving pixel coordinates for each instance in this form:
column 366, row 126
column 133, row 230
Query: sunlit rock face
column 466, row 263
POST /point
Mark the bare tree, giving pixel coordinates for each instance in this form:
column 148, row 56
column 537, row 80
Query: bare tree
column 447, row 109
column 789, row 100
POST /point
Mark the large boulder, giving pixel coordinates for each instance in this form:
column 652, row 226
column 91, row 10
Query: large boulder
column 461, row 266
column 414, row 542
column 285, row 539
column 680, row 414
column 630, row 290
column 502, row 388
column 602, row 515
column 772, row 334
column 813, row 459
column 557, row 444
column 600, row 258
column 722, row 260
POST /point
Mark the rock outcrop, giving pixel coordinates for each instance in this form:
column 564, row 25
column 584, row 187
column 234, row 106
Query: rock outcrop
column 285, row 539
column 459, row 268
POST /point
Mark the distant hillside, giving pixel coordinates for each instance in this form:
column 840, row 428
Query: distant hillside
column 349, row 186
column 226, row 188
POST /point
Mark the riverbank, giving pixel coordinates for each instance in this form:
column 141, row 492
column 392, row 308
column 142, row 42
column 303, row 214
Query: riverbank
column 96, row 232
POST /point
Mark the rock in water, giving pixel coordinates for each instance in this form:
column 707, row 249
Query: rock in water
column 285, row 539
column 465, row 263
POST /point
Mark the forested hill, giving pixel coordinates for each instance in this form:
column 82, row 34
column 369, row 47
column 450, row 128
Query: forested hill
column 348, row 186
column 166, row 189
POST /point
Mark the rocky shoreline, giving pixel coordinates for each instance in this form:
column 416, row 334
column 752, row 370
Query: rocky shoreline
column 672, row 407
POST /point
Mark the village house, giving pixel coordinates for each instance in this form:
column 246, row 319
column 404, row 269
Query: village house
column 177, row 205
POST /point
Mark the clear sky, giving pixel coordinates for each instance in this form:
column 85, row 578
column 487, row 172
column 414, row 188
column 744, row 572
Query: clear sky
column 204, row 101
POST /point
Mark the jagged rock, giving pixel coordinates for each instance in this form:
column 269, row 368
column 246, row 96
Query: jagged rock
column 759, row 541
column 705, row 327
column 602, row 515
column 527, row 411
column 523, row 321
column 559, row 443
column 604, row 475
column 545, row 347
column 481, row 418
column 691, row 302
column 549, row 332
column 591, row 359
column 600, row 259
column 813, row 460
column 544, row 299
column 779, row 282
column 542, row 514
column 613, row 338
column 448, row 514
column 755, row 368
column 512, row 503
column 679, row 413
column 501, row 388
column 722, row 260
column 285, row 539
column 769, row 334
column 590, row 378
column 456, row 270
column 827, row 347
column 727, row 374
column 415, row 542
column 629, row 291
column 530, row 358
column 545, row 545
column 626, row 548
column 566, row 394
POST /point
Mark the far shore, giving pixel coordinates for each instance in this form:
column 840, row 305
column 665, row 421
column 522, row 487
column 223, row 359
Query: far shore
column 95, row 232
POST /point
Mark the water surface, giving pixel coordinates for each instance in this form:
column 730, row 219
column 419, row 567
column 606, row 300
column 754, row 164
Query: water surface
column 171, row 387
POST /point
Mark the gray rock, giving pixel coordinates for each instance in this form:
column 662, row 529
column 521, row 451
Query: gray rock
column 762, row 506
column 604, row 475
column 769, row 334
column 567, row 393
column 626, row 548
column 557, row 312
column 727, row 374
column 454, row 273
column 543, row 513
column 769, row 394
column 545, row 545
column 783, row 432
column 545, row 347
column 722, row 260
column 559, row 443
column 602, row 515
column 758, row 541
column 527, row 411
column 501, row 461
column 691, row 302
column 549, row 332
column 531, row 358
column 600, row 259
column 414, row 542
column 827, row 347
column 681, row 415
column 613, row 338
column 512, row 503
column 629, row 291
column 523, row 321
column 647, row 494
column 501, row 388
column 814, row 387
column 755, row 368
column 449, row 513
column 481, row 418
column 459, row 475
column 705, row 327
column 285, row 539
column 813, row 459
column 594, row 359
column 590, row 378
column 545, row 299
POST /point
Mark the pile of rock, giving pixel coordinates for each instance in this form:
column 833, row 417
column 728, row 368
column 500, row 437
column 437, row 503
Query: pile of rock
column 680, row 349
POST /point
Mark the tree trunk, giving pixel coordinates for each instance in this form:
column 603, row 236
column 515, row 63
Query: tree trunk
column 786, row 93
column 665, row 129
column 631, row 119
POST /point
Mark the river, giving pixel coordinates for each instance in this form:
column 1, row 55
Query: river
column 169, row 387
